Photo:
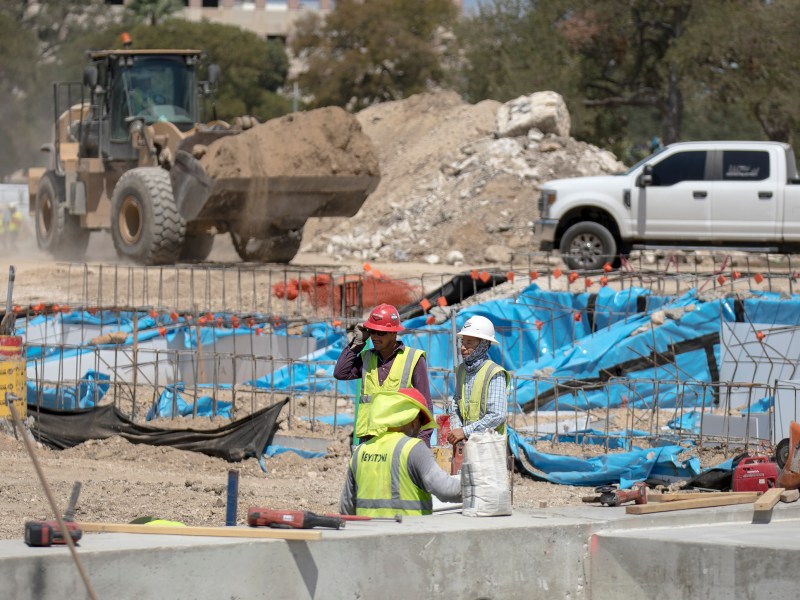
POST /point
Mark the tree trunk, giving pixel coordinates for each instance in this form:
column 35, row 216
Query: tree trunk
column 672, row 113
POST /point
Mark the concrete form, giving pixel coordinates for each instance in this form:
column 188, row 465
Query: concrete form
column 569, row 552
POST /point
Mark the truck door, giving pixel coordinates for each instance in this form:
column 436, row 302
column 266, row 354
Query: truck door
column 676, row 204
column 745, row 199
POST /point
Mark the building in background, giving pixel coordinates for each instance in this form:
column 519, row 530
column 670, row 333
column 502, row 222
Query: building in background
column 267, row 18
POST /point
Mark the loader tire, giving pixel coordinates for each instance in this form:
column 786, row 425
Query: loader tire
column 197, row 247
column 145, row 223
column 274, row 245
column 57, row 231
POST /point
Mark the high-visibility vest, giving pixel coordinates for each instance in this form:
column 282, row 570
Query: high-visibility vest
column 399, row 376
column 383, row 484
column 476, row 407
column 15, row 221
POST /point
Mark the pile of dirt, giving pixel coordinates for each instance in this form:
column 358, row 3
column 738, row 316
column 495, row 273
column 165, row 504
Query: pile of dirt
column 451, row 190
column 318, row 143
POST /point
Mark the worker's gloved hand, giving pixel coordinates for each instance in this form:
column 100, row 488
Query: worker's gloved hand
column 359, row 339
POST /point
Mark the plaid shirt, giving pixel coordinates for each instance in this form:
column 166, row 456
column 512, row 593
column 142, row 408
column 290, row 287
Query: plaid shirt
column 496, row 405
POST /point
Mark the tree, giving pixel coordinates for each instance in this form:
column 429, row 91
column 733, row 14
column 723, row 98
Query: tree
column 33, row 38
column 745, row 58
column 370, row 52
column 154, row 11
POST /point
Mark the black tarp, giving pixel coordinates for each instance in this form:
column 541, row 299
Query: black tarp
column 455, row 291
column 236, row 441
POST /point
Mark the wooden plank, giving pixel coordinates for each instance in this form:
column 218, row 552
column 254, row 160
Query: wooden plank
column 656, row 507
column 790, row 495
column 768, row 500
column 240, row 532
column 676, row 496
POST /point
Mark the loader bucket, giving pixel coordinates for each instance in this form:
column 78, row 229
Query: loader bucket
column 283, row 201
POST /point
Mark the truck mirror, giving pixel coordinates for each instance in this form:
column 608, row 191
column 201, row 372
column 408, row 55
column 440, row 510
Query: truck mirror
column 90, row 76
column 214, row 73
column 645, row 178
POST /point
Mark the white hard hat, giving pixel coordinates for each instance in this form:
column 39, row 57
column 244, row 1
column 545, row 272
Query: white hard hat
column 479, row 327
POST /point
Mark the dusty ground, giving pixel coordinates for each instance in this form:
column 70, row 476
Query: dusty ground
column 122, row 481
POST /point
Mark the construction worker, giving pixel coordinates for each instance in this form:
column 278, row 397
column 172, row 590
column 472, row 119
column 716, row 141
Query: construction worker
column 394, row 472
column 14, row 224
column 388, row 366
column 4, row 227
column 480, row 402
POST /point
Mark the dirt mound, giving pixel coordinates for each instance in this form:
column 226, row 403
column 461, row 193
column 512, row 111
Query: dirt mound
column 318, row 143
column 450, row 188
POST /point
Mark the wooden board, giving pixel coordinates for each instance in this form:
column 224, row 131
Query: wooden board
column 676, row 496
column 241, row 532
column 656, row 507
column 768, row 500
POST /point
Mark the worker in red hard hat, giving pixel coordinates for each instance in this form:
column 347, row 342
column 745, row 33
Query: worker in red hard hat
column 387, row 366
column 393, row 472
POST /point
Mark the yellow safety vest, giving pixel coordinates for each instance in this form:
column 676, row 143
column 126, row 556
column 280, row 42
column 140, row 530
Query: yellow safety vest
column 14, row 222
column 383, row 484
column 399, row 376
column 480, row 390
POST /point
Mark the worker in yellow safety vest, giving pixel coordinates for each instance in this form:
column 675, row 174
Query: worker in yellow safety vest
column 394, row 472
column 387, row 366
column 14, row 223
column 480, row 402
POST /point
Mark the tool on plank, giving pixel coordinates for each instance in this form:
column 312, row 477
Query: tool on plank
column 48, row 533
column 396, row 518
column 612, row 496
column 290, row 519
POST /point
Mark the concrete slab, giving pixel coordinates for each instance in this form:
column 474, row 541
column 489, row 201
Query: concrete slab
column 568, row 552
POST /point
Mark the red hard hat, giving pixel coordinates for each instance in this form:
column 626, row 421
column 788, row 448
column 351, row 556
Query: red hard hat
column 384, row 317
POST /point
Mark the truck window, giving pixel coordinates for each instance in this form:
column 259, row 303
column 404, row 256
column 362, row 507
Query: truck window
column 745, row 165
column 682, row 166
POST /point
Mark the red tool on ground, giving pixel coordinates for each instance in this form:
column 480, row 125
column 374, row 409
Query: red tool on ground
column 290, row 519
column 397, row 518
column 48, row 533
column 755, row 474
column 611, row 496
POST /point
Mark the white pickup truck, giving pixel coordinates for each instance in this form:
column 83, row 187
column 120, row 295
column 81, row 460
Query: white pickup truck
column 743, row 195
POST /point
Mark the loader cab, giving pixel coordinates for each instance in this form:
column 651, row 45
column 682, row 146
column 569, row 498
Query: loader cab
column 142, row 85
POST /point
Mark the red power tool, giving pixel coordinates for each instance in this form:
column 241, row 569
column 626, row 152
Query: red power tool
column 611, row 496
column 290, row 519
column 48, row 533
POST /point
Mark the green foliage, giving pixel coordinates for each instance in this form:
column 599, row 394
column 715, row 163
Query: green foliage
column 680, row 69
column 374, row 51
column 154, row 12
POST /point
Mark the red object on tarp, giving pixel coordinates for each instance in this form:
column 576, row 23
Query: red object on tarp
column 755, row 474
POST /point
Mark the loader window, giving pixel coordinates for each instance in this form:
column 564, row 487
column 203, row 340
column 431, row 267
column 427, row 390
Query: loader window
column 154, row 89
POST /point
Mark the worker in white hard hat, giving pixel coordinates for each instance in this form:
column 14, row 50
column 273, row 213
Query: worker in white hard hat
column 480, row 402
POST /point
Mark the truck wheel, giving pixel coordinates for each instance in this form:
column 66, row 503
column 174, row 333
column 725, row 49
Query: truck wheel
column 58, row 232
column 587, row 246
column 782, row 453
column 276, row 245
column 197, row 247
column 145, row 223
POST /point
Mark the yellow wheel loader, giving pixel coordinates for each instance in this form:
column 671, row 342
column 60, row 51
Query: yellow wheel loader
column 132, row 154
